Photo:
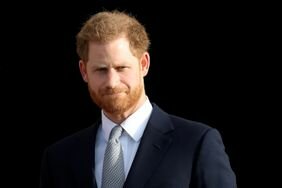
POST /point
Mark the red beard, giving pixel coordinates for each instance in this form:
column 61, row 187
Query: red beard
column 116, row 100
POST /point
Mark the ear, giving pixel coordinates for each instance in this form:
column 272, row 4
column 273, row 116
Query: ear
column 83, row 72
column 145, row 63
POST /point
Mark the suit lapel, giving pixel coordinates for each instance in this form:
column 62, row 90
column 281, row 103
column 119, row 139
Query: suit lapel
column 83, row 159
column 153, row 146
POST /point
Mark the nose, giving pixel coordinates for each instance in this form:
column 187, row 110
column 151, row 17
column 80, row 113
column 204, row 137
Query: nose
column 112, row 78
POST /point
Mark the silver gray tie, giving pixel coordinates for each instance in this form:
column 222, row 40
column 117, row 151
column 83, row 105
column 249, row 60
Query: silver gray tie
column 113, row 168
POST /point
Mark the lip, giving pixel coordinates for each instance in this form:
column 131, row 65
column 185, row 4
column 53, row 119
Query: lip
column 114, row 94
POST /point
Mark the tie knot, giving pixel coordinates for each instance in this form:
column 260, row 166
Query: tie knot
column 115, row 132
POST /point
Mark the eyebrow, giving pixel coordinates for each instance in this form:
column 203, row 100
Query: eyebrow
column 104, row 65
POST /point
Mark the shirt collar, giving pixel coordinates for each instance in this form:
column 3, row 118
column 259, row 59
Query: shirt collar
column 134, row 125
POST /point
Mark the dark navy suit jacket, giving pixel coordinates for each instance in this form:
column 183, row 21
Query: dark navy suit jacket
column 173, row 153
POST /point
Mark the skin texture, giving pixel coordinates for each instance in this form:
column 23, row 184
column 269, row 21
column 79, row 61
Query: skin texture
column 115, row 77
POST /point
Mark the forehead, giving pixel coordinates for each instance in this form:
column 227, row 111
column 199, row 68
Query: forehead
column 114, row 51
column 121, row 41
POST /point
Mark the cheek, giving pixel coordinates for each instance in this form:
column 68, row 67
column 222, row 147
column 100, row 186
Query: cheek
column 132, row 79
column 94, row 83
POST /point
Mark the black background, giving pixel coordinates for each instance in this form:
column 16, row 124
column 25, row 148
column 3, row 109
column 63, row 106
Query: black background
column 210, row 62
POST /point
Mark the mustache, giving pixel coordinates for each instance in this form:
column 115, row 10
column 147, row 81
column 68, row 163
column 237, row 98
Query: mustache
column 111, row 91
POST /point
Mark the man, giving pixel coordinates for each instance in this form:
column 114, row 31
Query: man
column 157, row 149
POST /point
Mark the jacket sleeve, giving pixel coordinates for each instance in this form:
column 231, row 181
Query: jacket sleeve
column 44, row 172
column 212, row 166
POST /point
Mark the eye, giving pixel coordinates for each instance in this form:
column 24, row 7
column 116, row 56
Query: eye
column 102, row 69
column 121, row 68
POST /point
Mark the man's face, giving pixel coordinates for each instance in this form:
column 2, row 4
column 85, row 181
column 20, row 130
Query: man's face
column 114, row 76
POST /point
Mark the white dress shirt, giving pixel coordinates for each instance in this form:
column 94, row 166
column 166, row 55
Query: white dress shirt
column 133, row 126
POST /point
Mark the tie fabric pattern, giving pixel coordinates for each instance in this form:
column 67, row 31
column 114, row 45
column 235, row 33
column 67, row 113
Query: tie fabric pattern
column 113, row 168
